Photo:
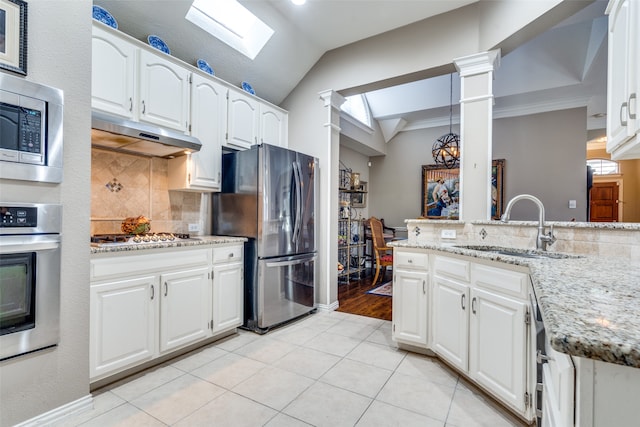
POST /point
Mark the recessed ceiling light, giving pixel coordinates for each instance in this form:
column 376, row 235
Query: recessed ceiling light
column 298, row 2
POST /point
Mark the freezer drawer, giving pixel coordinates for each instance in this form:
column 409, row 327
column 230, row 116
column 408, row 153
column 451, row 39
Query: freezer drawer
column 286, row 289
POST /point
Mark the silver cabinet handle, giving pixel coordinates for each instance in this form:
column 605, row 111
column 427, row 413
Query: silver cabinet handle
column 166, row 289
column 462, row 300
column 144, row 107
column 130, row 104
column 632, row 97
column 473, row 305
column 153, row 292
column 623, row 108
column 424, row 291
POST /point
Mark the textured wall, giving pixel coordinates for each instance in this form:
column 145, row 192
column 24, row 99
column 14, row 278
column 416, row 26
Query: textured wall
column 59, row 55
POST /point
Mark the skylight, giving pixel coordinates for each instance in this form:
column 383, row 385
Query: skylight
column 356, row 106
column 232, row 23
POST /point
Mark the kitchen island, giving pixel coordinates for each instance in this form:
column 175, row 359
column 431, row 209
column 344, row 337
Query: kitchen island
column 586, row 297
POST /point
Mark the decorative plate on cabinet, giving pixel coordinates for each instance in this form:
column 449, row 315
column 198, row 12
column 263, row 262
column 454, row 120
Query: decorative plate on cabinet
column 204, row 66
column 102, row 15
column 247, row 88
column 158, row 43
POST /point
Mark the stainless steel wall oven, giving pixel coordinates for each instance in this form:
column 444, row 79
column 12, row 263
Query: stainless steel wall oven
column 29, row 277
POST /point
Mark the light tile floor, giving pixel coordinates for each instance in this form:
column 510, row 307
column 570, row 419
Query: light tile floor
column 328, row 369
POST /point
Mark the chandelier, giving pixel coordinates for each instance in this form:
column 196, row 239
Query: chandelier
column 446, row 149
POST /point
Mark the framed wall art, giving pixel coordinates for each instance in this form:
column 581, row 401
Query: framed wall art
column 441, row 191
column 13, row 36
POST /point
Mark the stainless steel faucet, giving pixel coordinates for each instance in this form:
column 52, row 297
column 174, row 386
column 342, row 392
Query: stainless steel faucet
column 542, row 239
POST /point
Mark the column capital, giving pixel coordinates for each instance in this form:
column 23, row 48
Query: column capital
column 332, row 98
column 478, row 63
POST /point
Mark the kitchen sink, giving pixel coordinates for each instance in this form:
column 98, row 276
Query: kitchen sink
column 522, row 253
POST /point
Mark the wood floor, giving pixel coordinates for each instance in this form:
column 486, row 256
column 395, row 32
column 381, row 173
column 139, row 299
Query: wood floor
column 353, row 298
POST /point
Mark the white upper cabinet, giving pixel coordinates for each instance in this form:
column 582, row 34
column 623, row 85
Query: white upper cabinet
column 252, row 121
column 200, row 171
column 113, row 72
column 244, row 120
column 273, row 126
column 164, row 92
column 623, row 123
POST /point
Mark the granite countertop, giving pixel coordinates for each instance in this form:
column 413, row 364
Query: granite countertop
column 590, row 305
column 196, row 241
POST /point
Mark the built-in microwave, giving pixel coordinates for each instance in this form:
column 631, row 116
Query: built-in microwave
column 31, row 117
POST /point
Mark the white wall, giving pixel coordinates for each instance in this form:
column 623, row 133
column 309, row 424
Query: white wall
column 59, row 55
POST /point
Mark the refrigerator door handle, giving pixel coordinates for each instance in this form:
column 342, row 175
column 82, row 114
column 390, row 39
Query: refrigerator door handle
column 298, row 180
column 288, row 262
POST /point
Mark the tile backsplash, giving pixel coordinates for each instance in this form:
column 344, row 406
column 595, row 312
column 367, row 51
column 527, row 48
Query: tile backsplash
column 126, row 185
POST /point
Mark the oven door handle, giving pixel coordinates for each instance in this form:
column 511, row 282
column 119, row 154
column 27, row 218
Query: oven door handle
column 16, row 244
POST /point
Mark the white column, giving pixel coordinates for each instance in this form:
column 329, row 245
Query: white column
column 328, row 205
column 476, row 132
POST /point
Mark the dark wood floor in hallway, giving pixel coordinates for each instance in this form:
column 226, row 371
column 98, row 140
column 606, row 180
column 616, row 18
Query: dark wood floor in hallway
column 353, row 298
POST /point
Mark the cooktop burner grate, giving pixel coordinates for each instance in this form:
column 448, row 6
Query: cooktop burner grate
column 138, row 238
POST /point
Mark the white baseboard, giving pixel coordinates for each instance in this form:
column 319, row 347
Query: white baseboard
column 329, row 307
column 60, row 413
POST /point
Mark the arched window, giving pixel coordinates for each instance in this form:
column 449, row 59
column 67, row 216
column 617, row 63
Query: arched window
column 604, row 166
column 356, row 106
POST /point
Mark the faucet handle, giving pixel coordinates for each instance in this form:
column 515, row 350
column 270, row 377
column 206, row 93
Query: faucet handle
column 549, row 237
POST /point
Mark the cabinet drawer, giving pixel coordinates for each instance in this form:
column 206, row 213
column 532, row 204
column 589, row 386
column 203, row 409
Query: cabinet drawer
column 452, row 267
column 410, row 259
column 506, row 282
column 227, row 254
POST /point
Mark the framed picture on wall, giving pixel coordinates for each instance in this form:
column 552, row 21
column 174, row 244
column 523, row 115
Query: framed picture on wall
column 441, row 193
column 359, row 196
column 13, row 36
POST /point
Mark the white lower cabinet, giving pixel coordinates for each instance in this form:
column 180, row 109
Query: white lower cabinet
column 228, row 293
column 497, row 347
column 478, row 320
column 184, row 308
column 147, row 305
column 123, row 323
column 410, row 287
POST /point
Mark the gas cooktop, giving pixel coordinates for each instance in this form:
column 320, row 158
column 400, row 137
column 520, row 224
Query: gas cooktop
column 102, row 240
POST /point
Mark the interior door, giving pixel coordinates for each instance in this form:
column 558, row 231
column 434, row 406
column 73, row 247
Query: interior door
column 604, row 202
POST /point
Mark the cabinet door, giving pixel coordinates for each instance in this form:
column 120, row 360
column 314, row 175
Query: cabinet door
column 113, row 67
column 200, row 171
column 184, row 307
column 243, row 121
column 273, row 126
column 618, row 78
column 164, row 92
column 410, row 307
column 228, row 296
column 497, row 346
column 122, row 323
column 451, row 321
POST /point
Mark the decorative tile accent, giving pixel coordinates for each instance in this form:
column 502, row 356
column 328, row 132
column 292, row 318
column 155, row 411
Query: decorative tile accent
column 416, row 231
column 483, row 233
column 114, row 186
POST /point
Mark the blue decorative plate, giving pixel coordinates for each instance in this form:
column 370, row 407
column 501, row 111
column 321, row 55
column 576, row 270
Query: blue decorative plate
column 102, row 15
column 155, row 41
column 247, row 88
column 204, row 66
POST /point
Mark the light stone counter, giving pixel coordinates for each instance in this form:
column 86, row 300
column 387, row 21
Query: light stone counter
column 590, row 305
column 197, row 241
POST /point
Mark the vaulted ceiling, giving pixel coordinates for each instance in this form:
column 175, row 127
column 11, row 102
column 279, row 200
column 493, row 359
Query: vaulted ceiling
column 561, row 68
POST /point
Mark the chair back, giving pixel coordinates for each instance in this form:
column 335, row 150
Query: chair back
column 377, row 234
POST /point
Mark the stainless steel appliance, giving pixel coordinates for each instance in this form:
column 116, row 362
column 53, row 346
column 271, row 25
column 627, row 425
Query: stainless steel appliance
column 30, row 130
column 119, row 134
column 269, row 195
column 29, row 277
column 117, row 239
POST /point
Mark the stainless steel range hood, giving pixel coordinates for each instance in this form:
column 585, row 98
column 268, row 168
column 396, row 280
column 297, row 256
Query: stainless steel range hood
column 120, row 134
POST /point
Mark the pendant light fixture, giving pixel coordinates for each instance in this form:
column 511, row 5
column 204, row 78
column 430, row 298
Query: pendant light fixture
column 446, row 149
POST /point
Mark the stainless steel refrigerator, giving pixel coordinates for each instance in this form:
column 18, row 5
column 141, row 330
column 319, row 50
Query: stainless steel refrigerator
column 269, row 196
